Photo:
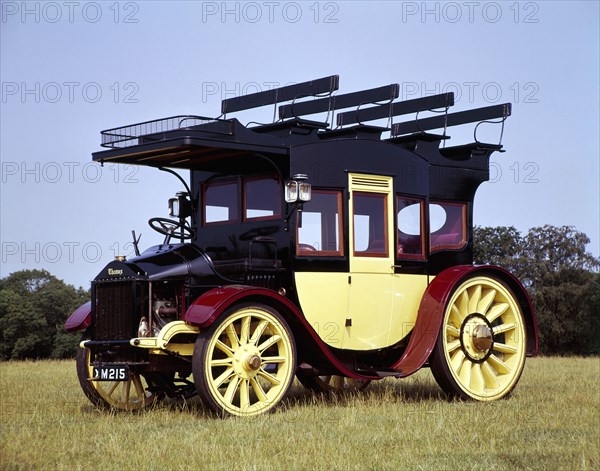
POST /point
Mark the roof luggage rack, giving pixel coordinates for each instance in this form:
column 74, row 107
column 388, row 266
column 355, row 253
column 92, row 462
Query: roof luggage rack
column 186, row 141
column 148, row 131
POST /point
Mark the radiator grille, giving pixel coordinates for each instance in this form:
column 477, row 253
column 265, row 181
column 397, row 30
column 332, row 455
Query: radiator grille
column 115, row 315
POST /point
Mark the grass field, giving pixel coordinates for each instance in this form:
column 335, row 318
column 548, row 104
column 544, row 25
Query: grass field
column 552, row 421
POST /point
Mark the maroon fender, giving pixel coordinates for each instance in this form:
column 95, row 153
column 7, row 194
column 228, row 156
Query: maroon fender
column 80, row 319
column 431, row 313
column 208, row 307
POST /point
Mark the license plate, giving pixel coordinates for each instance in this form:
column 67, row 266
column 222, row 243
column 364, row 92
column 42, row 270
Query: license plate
column 110, row 373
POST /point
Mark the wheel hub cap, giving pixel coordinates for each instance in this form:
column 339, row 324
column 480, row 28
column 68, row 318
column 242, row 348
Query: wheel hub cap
column 247, row 361
column 482, row 338
column 253, row 362
column 476, row 338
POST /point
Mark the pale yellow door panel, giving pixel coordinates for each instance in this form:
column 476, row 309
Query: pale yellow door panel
column 324, row 302
column 369, row 311
column 408, row 292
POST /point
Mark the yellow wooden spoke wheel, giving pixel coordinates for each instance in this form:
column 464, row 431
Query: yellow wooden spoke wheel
column 480, row 352
column 245, row 363
column 332, row 384
column 132, row 394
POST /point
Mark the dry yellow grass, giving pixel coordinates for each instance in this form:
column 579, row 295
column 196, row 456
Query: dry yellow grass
column 552, row 421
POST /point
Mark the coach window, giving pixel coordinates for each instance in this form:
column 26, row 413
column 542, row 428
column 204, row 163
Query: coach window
column 262, row 198
column 320, row 225
column 411, row 243
column 221, row 202
column 370, row 234
column 447, row 225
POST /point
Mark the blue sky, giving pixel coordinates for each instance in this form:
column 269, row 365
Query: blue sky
column 71, row 69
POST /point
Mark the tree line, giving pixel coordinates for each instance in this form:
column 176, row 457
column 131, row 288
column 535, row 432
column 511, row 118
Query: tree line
column 560, row 276
column 552, row 262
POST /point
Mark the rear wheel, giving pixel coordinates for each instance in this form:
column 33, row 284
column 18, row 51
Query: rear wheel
column 132, row 394
column 245, row 363
column 480, row 351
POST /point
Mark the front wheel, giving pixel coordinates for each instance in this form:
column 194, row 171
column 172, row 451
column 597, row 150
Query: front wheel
column 245, row 362
column 480, row 351
column 131, row 394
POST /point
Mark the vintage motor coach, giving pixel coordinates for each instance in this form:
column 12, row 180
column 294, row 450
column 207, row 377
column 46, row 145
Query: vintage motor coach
column 310, row 248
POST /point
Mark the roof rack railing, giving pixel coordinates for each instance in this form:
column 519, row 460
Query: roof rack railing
column 279, row 95
column 478, row 115
column 125, row 136
column 361, row 115
column 338, row 102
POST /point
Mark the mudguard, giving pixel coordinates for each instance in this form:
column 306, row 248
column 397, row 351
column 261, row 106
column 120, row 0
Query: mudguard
column 432, row 307
column 80, row 319
column 208, row 307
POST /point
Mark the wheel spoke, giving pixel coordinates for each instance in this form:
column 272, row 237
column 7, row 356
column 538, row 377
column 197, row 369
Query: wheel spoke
column 453, row 345
column 269, row 377
column 274, row 359
column 477, row 380
column 498, row 365
column 503, row 348
column 489, row 375
column 465, row 373
column 244, row 394
column 269, row 342
column 453, row 331
column 455, row 317
column 127, row 390
column 222, row 362
column 496, row 311
column 474, row 299
column 232, row 336
column 503, row 328
column 457, row 360
column 260, row 328
column 112, row 387
column 258, row 390
column 223, row 377
column 245, row 330
column 224, row 348
column 232, row 387
column 486, row 301
column 139, row 389
column 462, row 306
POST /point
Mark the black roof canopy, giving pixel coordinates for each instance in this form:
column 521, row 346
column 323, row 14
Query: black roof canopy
column 195, row 142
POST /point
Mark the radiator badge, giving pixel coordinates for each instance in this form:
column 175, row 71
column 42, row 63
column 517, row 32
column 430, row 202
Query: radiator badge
column 112, row 271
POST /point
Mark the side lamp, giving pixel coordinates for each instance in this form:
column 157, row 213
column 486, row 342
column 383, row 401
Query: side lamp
column 298, row 189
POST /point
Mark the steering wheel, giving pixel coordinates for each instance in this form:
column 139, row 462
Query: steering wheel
column 171, row 228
